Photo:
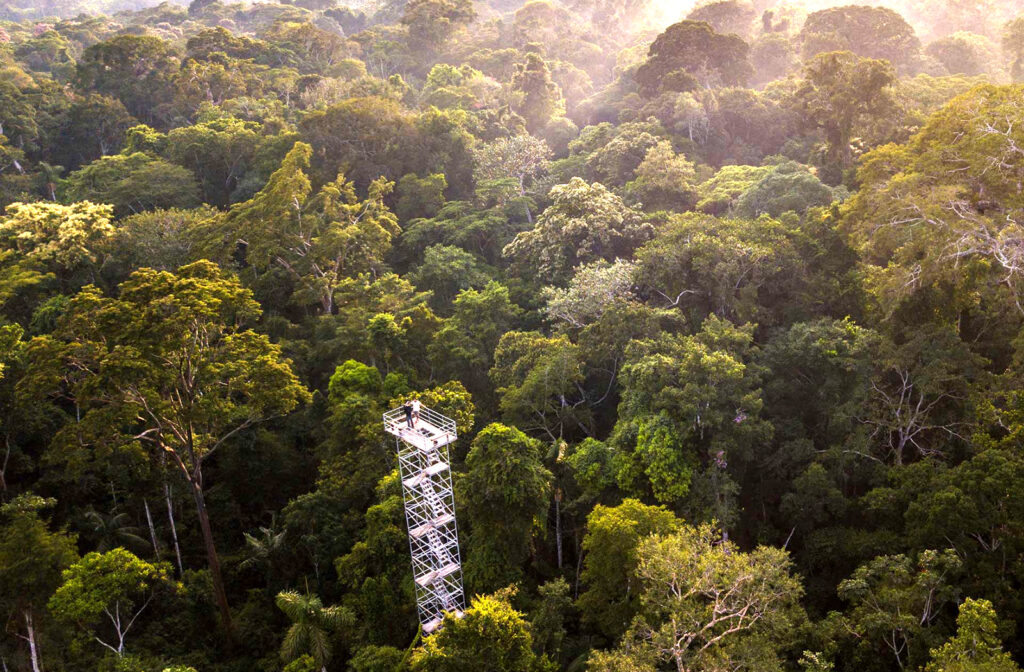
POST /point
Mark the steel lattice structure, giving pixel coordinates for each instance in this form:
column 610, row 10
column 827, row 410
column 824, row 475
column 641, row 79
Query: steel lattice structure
column 429, row 512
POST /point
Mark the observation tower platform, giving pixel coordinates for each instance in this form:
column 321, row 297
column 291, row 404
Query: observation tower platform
column 429, row 512
column 431, row 431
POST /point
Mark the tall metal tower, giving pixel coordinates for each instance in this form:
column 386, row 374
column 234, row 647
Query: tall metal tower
column 429, row 512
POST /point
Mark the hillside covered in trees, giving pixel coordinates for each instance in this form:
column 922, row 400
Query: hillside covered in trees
column 726, row 299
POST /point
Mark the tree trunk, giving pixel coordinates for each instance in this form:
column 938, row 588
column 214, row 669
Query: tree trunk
column 174, row 529
column 558, row 526
column 152, row 530
column 211, row 557
column 901, row 447
column 3, row 464
column 32, row 649
column 579, row 562
column 526, row 206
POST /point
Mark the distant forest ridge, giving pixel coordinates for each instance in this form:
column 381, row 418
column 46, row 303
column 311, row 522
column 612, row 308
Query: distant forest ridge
column 650, row 14
column 14, row 10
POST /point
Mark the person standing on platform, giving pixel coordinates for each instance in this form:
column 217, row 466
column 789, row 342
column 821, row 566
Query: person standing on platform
column 407, row 407
column 415, row 411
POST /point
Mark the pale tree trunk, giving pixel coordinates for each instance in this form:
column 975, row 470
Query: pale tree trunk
column 211, row 555
column 152, row 530
column 526, row 206
column 174, row 528
column 32, row 648
column 120, row 631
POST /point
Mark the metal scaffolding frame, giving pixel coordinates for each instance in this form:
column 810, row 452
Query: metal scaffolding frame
column 429, row 512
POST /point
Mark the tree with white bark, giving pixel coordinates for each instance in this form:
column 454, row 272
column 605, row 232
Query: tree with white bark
column 32, row 557
column 106, row 593
column 921, row 395
column 707, row 605
column 519, row 158
column 894, row 599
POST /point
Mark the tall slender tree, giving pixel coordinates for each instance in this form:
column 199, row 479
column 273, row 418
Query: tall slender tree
column 168, row 365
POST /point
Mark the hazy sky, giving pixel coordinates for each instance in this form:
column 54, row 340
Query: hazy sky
column 923, row 14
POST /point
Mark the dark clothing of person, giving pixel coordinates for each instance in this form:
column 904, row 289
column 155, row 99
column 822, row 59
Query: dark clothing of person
column 408, row 414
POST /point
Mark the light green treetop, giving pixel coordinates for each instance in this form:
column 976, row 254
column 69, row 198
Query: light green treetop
column 611, row 596
column 108, row 591
column 584, row 223
column 490, row 637
column 705, row 603
column 51, row 233
column 976, row 646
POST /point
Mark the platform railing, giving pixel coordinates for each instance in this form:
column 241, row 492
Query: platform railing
column 395, row 419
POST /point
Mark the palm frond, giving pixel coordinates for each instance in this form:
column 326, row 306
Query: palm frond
column 292, row 604
column 295, row 642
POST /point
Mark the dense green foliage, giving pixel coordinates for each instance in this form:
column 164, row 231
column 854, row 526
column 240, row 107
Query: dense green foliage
column 726, row 299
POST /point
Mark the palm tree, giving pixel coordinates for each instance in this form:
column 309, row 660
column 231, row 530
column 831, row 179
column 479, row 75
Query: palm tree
column 50, row 176
column 312, row 626
column 113, row 530
column 264, row 549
